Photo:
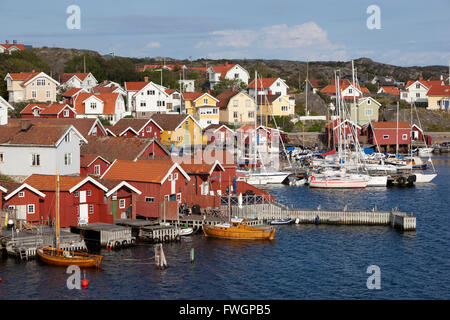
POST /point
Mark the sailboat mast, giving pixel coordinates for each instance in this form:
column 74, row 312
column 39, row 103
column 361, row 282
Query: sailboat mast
column 396, row 147
column 256, row 113
column 354, row 96
column 57, row 212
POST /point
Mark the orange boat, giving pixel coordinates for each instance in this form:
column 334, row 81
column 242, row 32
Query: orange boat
column 68, row 258
column 238, row 229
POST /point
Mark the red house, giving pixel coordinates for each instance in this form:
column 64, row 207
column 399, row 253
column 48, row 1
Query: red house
column 70, row 95
column 82, row 199
column 419, row 136
column 121, row 199
column 25, row 199
column 226, row 160
column 162, row 184
column 54, row 110
column 93, row 165
column 346, row 129
column 220, row 134
column 384, row 135
column 144, row 128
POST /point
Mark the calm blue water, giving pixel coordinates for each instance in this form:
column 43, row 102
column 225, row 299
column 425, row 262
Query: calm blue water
column 304, row 262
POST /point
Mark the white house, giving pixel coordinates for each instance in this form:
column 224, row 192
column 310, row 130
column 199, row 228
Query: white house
column 4, row 107
column 416, row 91
column 226, row 71
column 145, row 98
column 109, row 105
column 27, row 148
column 187, row 85
column 78, row 80
column 30, row 86
column 173, row 102
column 268, row 86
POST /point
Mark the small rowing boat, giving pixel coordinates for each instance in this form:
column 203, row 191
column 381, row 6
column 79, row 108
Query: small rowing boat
column 280, row 221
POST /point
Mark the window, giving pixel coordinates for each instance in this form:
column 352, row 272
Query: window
column 122, row 203
column 88, row 193
column 21, row 194
column 404, row 136
column 386, row 136
column 175, row 176
column 205, row 101
column 30, row 208
column 67, row 137
column 97, row 169
column 68, row 159
column 247, row 103
column 368, row 101
column 35, row 159
column 236, row 75
column 170, row 177
column 284, row 108
column 178, row 197
column 166, row 197
column 93, row 105
column 278, row 84
column 33, row 93
column 418, row 95
column 214, row 111
column 417, row 85
column 143, row 104
column 405, row 94
column 1, row 157
column 91, row 209
column 48, row 94
column 349, row 90
column 66, row 113
column 40, row 82
column 149, row 199
column 368, row 112
column 149, row 129
column 251, row 114
column 235, row 114
column 235, row 103
column 75, row 194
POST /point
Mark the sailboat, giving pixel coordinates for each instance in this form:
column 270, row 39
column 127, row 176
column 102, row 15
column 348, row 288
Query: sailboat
column 59, row 257
column 237, row 228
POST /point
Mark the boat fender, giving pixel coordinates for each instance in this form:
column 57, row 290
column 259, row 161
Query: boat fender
column 313, row 178
column 401, row 180
column 133, row 241
column 166, row 238
column 178, row 237
column 117, row 244
column 317, row 219
column 124, row 243
column 412, row 178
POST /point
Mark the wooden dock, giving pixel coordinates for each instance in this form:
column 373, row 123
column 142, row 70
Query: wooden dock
column 23, row 244
column 105, row 235
column 269, row 211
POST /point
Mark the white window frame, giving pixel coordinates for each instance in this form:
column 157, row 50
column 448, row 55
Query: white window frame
column 88, row 193
column 149, row 199
column 66, row 113
column 31, row 211
column 97, row 169
column 91, row 209
column 404, row 136
column 385, row 136
column 35, row 159
column 122, row 203
column 21, row 194
column 68, row 159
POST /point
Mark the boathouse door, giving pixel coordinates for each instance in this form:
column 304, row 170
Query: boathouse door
column 84, row 216
column 21, row 212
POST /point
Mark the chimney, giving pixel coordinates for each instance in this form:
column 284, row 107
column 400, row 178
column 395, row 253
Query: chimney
column 105, row 81
column 33, row 71
column 25, row 125
column 14, row 41
column 7, row 41
column 420, row 78
column 209, row 91
column 270, row 92
column 146, row 79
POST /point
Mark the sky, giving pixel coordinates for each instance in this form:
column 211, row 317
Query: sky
column 404, row 33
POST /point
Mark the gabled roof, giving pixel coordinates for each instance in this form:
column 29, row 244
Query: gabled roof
column 171, row 122
column 51, row 109
column 114, row 185
column 19, row 188
column 224, row 98
column 151, row 170
column 35, row 134
column 425, row 83
column 109, row 101
column 73, row 92
column 223, row 69
column 5, row 103
column 81, row 76
column 216, row 127
column 390, row 125
column 83, row 125
column 87, row 159
column 264, row 83
column 262, row 99
column 194, row 96
column 66, row 183
column 201, row 168
column 122, row 148
column 27, row 77
column 136, row 125
column 361, row 100
column 439, row 91
column 390, row 90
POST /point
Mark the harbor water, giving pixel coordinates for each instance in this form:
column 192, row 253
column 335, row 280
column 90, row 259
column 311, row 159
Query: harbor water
column 303, row 262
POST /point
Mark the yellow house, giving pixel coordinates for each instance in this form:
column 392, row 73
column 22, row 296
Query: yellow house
column 274, row 105
column 179, row 130
column 439, row 98
column 27, row 86
column 202, row 106
column 236, row 108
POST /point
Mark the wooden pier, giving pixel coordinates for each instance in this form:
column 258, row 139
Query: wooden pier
column 105, row 235
column 269, row 211
column 23, row 244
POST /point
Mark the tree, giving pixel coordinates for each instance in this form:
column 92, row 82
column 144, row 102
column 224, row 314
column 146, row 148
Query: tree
column 228, row 84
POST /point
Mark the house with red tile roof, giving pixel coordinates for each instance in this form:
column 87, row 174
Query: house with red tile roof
column 162, row 184
column 268, row 86
column 11, row 47
column 132, row 127
column 31, row 86
column 81, row 199
column 226, row 71
column 110, row 106
column 416, row 91
column 121, row 199
column 28, row 148
column 145, row 98
column 236, row 108
column 70, row 95
column 78, row 80
column 347, row 90
column 389, row 91
column 173, row 102
column 384, row 135
column 170, row 67
column 53, row 110
column 219, row 134
column 109, row 86
column 439, row 97
column 93, row 165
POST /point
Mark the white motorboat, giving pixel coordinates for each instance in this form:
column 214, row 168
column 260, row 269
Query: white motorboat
column 425, row 151
column 296, row 181
column 186, row 231
column 261, row 178
column 339, row 182
column 424, row 178
column 377, row 181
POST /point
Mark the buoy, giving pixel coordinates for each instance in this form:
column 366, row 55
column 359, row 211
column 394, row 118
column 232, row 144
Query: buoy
column 84, row 283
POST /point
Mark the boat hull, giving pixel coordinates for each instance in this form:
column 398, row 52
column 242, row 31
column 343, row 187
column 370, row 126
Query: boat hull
column 424, row 178
column 58, row 258
column 242, row 232
column 338, row 184
column 377, row 181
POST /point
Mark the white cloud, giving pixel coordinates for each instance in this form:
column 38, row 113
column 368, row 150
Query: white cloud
column 305, row 41
column 153, row 44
